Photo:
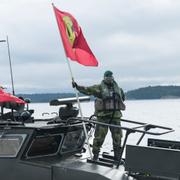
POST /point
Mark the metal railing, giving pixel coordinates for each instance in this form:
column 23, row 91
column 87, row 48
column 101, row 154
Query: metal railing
column 136, row 129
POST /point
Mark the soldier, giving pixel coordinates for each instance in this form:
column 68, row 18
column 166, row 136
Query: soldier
column 108, row 106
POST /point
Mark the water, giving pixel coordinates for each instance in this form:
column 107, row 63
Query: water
column 159, row 112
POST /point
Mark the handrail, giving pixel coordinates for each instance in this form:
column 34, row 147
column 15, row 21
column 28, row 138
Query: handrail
column 134, row 122
column 134, row 129
column 141, row 123
column 140, row 126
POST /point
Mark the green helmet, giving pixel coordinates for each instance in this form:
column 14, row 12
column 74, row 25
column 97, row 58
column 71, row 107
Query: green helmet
column 108, row 74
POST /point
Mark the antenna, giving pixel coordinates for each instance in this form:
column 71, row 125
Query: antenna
column 10, row 65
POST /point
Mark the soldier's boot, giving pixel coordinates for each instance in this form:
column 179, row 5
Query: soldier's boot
column 95, row 152
column 117, row 157
column 95, row 157
column 117, row 153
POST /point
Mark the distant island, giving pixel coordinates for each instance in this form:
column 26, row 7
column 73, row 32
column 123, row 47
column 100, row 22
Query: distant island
column 150, row 92
column 154, row 92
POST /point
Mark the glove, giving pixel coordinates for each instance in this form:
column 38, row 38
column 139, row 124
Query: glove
column 74, row 84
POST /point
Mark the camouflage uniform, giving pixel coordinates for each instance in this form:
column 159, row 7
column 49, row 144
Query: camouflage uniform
column 112, row 117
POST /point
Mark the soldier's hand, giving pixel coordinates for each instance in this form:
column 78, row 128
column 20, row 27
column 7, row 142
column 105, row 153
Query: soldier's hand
column 74, row 84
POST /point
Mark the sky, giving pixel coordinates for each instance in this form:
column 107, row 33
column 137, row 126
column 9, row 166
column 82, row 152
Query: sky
column 137, row 40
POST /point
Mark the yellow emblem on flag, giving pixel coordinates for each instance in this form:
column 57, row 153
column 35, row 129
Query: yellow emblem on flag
column 69, row 29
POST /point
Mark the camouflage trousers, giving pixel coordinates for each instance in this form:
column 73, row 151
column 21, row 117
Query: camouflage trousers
column 101, row 132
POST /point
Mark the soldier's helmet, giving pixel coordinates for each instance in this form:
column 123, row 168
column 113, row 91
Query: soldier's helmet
column 108, row 74
column 108, row 77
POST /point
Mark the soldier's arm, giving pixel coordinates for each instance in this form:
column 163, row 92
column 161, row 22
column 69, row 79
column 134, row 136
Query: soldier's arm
column 90, row 90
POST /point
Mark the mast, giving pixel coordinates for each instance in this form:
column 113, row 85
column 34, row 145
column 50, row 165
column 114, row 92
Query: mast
column 10, row 66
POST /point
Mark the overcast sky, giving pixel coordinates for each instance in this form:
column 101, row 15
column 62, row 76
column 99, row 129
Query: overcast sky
column 138, row 40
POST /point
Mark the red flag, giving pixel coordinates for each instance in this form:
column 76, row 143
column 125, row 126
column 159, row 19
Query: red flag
column 6, row 97
column 75, row 44
column 11, row 102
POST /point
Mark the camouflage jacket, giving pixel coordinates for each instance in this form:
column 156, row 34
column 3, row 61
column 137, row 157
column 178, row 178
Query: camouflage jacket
column 96, row 91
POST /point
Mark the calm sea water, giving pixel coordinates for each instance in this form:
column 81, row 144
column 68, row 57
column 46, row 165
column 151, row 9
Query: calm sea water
column 159, row 112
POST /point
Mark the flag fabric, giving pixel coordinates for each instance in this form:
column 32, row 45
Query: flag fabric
column 75, row 45
column 10, row 102
column 6, row 97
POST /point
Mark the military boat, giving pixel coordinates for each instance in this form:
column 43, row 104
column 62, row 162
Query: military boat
column 57, row 148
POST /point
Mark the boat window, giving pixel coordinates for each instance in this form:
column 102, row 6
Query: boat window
column 45, row 145
column 10, row 144
column 73, row 141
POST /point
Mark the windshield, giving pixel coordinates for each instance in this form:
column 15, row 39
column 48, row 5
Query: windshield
column 10, row 144
column 73, row 141
column 45, row 145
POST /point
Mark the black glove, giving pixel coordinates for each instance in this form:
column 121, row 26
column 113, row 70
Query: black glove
column 74, row 84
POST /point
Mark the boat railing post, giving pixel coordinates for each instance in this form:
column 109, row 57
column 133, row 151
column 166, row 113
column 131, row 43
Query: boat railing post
column 140, row 139
column 146, row 128
column 128, row 132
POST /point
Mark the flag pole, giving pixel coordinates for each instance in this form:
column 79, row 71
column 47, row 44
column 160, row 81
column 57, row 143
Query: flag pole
column 77, row 96
column 80, row 109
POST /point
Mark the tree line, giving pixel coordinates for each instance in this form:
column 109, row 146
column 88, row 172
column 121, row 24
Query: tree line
column 154, row 92
column 150, row 92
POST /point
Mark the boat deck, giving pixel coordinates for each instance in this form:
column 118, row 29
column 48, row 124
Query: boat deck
column 74, row 167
